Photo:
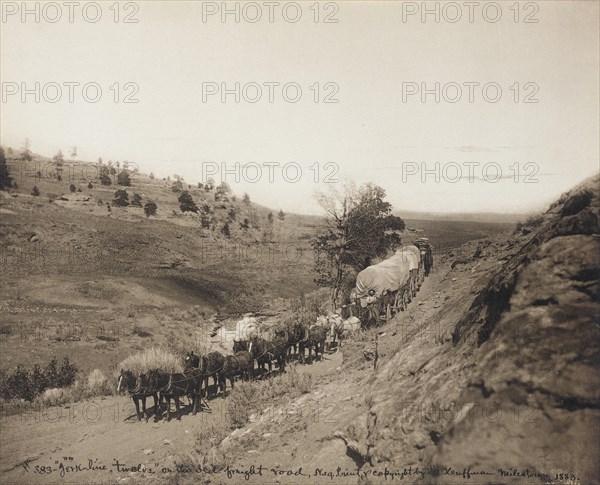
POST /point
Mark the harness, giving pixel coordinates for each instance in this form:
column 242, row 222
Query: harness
column 170, row 384
column 266, row 352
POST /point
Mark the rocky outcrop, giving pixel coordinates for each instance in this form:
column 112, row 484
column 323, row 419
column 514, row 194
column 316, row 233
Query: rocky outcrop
column 516, row 393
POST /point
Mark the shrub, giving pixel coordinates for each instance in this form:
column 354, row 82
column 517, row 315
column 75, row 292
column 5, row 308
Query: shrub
column 67, row 373
column 35, row 191
column 186, row 202
column 97, row 384
column 136, row 201
column 72, row 188
column 38, row 380
column 141, row 331
column 105, row 179
column 150, row 208
column 18, row 385
column 53, row 396
column 225, row 230
column 124, row 179
column 177, row 186
column 90, row 186
column 5, row 178
column 121, row 198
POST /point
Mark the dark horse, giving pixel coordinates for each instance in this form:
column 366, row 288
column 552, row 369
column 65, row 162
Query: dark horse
column 294, row 333
column 175, row 385
column 315, row 340
column 265, row 352
column 239, row 364
column 139, row 389
column 210, row 365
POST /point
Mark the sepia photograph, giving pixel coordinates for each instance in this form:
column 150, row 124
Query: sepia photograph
column 351, row 242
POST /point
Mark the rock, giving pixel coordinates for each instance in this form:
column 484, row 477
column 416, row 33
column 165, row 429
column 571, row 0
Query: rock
column 166, row 442
column 34, row 238
column 522, row 369
column 456, row 262
column 526, row 230
column 148, row 451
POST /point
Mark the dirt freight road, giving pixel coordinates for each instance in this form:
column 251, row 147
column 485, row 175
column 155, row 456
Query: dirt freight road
column 101, row 441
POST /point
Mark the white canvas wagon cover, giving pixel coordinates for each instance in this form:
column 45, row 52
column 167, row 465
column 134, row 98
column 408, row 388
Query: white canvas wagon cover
column 389, row 275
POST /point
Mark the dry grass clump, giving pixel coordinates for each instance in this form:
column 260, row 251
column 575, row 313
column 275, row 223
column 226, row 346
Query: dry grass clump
column 152, row 358
column 97, row 384
column 249, row 397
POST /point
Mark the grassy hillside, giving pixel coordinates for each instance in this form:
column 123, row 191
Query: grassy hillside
column 96, row 284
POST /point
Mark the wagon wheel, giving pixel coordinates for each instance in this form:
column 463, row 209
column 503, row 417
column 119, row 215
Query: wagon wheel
column 388, row 311
column 399, row 301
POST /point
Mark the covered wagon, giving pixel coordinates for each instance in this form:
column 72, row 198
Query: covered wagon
column 387, row 287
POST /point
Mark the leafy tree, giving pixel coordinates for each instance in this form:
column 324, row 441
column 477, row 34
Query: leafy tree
column 225, row 230
column 246, row 198
column 281, row 215
column 270, row 218
column 35, row 191
column 186, row 202
column 72, row 188
column 150, row 208
column 200, row 185
column 59, row 158
column 121, row 198
column 359, row 227
column 177, row 186
column 5, row 178
column 136, row 201
column 112, row 170
column 90, row 186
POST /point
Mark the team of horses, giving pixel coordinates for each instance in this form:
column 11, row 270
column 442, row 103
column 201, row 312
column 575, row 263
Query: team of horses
column 289, row 342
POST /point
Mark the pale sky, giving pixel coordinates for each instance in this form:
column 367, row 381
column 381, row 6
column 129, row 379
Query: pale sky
column 371, row 134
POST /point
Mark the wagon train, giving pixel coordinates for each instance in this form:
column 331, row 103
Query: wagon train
column 385, row 288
